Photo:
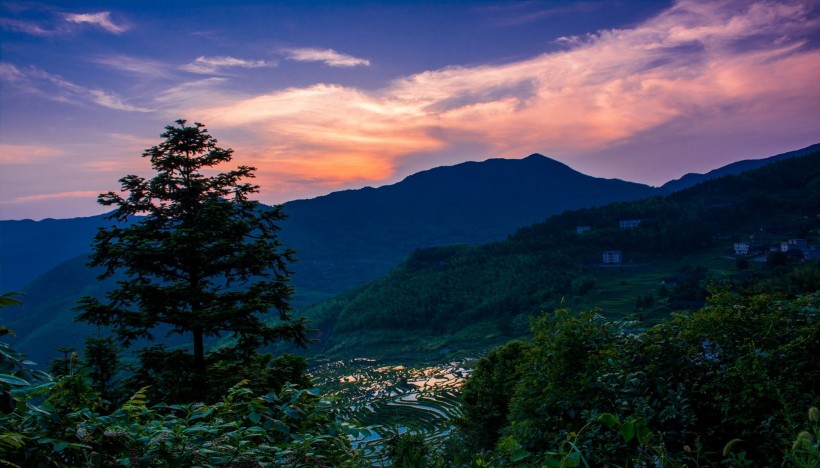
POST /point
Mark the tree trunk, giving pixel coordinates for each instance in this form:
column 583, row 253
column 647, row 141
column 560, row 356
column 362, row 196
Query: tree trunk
column 200, row 388
column 199, row 351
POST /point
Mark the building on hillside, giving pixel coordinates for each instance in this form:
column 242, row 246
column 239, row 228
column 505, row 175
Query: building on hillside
column 794, row 244
column 750, row 248
column 612, row 257
column 629, row 223
column 582, row 229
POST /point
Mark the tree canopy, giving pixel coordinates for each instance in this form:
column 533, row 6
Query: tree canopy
column 200, row 256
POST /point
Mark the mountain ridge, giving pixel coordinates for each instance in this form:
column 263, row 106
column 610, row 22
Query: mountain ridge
column 465, row 297
column 356, row 236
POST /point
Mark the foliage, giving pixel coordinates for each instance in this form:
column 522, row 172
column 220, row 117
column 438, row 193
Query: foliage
column 559, row 390
column 476, row 294
column 805, row 451
column 204, row 259
column 730, row 380
column 407, row 449
column 172, row 374
column 289, row 428
column 65, row 423
column 102, row 359
column 488, row 392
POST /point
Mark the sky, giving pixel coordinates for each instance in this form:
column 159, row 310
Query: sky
column 327, row 96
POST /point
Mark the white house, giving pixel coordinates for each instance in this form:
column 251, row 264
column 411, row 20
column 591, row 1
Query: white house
column 630, row 223
column 612, row 257
column 794, row 244
column 582, row 229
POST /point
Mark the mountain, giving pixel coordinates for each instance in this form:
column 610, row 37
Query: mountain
column 375, row 227
column 692, row 179
column 515, row 192
column 350, row 237
column 443, row 299
column 347, row 238
column 343, row 239
column 30, row 248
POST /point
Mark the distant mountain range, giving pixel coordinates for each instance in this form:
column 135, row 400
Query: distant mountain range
column 691, row 179
column 372, row 227
column 343, row 239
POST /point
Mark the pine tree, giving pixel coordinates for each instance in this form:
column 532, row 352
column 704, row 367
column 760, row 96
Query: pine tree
column 200, row 256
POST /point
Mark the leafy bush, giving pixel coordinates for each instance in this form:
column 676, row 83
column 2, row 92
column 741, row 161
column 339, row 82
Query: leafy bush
column 487, row 394
column 65, row 422
column 731, row 380
column 289, row 428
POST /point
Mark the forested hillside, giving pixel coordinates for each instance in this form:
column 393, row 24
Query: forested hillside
column 342, row 240
column 443, row 298
column 347, row 238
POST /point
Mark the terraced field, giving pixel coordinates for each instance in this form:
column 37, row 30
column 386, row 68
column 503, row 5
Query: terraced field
column 389, row 398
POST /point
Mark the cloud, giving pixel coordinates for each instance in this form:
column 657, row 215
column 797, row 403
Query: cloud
column 39, row 82
column 328, row 56
column 26, row 154
column 27, row 27
column 101, row 19
column 518, row 13
column 135, row 65
column 9, row 72
column 112, row 101
column 193, row 94
column 699, row 66
column 51, row 196
column 212, row 65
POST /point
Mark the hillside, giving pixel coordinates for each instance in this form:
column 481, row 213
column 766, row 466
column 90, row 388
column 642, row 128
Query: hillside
column 348, row 238
column 467, row 203
column 443, row 299
column 342, row 240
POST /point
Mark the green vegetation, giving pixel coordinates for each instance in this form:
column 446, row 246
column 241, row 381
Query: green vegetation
column 203, row 259
column 445, row 299
column 699, row 359
column 730, row 384
column 63, row 422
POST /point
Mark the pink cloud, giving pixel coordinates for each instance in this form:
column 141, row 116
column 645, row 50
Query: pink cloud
column 27, row 154
column 51, row 196
column 710, row 64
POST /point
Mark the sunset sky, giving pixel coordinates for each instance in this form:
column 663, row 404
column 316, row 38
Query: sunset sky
column 324, row 96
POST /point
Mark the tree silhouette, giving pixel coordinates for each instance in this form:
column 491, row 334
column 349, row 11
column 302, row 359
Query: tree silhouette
column 203, row 258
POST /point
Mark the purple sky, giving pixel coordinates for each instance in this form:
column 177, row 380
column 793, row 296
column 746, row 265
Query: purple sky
column 323, row 96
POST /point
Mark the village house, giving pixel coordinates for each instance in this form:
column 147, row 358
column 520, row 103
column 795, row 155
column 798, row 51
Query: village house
column 794, row 244
column 629, row 223
column 750, row 248
column 612, row 257
column 582, row 229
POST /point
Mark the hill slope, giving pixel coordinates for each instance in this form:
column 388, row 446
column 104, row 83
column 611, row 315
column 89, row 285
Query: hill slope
column 472, row 296
column 343, row 239
column 347, row 238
